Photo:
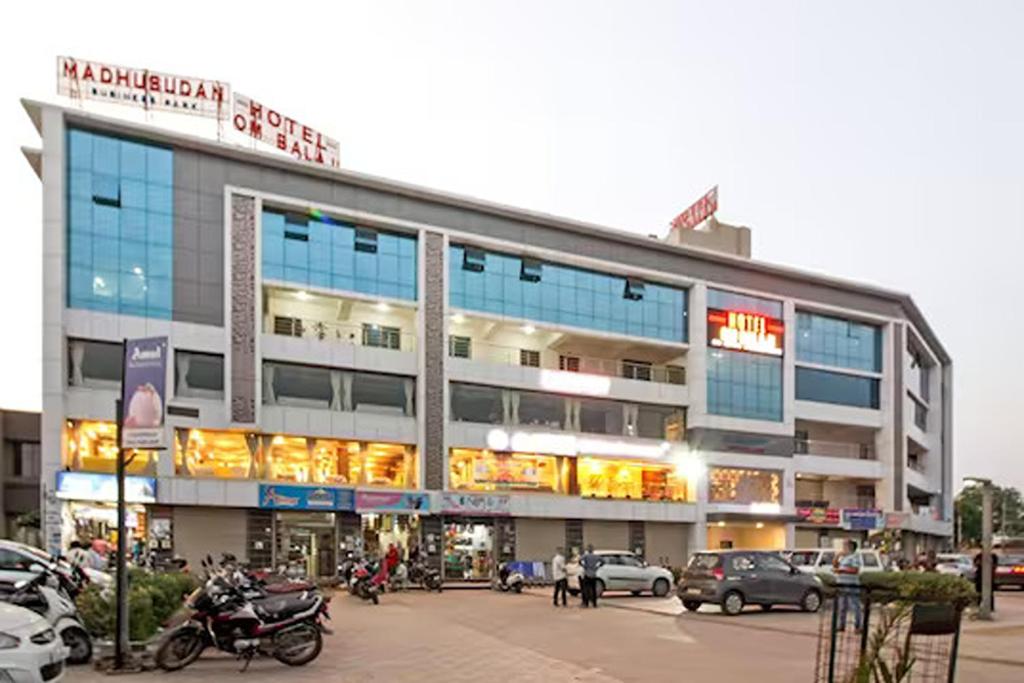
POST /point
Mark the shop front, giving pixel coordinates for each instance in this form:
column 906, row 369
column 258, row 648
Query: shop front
column 89, row 511
column 823, row 527
column 391, row 518
column 746, row 532
column 477, row 535
column 305, row 525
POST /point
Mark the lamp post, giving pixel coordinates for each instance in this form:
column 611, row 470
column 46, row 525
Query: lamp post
column 984, row 610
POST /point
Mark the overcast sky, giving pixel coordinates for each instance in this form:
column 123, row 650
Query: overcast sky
column 877, row 141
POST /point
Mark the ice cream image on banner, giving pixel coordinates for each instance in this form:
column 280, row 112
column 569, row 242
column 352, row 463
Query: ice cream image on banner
column 145, row 409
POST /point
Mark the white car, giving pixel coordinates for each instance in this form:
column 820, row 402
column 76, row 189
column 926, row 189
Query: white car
column 955, row 563
column 625, row 571
column 17, row 560
column 815, row 560
column 30, row 651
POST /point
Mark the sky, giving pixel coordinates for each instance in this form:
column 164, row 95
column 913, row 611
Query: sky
column 875, row 141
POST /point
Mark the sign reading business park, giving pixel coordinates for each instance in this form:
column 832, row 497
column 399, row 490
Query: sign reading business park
column 739, row 331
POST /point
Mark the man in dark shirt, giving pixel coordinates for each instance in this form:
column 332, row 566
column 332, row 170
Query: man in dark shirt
column 589, row 563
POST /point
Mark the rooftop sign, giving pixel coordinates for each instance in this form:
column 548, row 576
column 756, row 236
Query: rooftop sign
column 697, row 212
column 286, row 134
column 83, row 79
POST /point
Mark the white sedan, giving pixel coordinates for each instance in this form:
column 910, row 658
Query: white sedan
column 30, row 651
column 626, row 571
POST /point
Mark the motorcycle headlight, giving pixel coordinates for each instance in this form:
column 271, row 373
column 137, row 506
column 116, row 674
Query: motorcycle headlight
column 9, row 642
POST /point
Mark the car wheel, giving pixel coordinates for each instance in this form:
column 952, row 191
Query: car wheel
column 79, row 645
column 766, row 608
column 599, row 587
column 811, row 601
column 732, row 603
column 661, row 588
column 691, row 605
column 635, row 594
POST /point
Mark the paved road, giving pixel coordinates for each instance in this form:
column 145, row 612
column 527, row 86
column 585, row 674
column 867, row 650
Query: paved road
column 485, row 636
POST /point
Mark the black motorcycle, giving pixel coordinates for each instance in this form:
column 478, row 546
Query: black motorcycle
column 428, row 577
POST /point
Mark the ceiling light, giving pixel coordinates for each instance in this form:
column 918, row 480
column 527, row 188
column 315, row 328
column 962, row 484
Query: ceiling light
column 458, row 318
column 721, row 524
column 529, row 329
column 302, row 295
column 759, row 525
column 137, row 270
column 383, row 307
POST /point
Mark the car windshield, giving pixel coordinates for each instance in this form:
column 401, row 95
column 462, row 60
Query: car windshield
column 803, row 558
column 704, row 561
column 1011, row 559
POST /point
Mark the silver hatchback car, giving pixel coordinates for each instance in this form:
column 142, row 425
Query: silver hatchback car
column 735, row 578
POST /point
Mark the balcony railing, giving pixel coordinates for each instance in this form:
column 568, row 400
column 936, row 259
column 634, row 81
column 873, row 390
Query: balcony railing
column 920, row 415
column 465, row 347
column 377, row 336
column 835, row 449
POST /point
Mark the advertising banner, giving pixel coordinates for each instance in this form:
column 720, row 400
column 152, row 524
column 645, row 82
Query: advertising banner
column 819, row 515
column 698, row 211
column 95, row 486
column 739, row 331
column 273, row 128
column 474, row 504
column 326, row 498
column 142, row 88
column 392, row 501
column 896, row 520
column 863, row 520
column 143, row 385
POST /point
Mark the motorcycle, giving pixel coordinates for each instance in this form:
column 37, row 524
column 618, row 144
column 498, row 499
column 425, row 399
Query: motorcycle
column 50, row 600
column 428, row 577
column 287, row 627
column 369, row 580
column 509, row 580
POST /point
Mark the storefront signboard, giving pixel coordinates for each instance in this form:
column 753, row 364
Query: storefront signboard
column 819, row 515
column 392, row 501
column 474, row 504
column 862, row 520
column 273, row 128
column 96, row 486
column 896, row 520
column 142, row 88
column 742, row 331
column 284, row 497
column 142, row 400
column 697, row 212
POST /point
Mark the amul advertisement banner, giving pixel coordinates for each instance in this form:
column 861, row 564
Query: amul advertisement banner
column 86, row 79
column 143, row 382
column 285, row 133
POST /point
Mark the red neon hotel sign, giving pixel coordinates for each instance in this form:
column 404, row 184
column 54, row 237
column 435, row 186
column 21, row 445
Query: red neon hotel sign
column 739, row 331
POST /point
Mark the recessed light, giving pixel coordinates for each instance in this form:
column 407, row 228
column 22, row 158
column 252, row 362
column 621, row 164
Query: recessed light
column 302, row 295
column 137, row 270
column 383, row 307
column 529, row 329
column 759, row 525
column 458, row 318
column 721, row 524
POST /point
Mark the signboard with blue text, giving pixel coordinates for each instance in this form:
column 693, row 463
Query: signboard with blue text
column 326, row 498
column 392, row 501
column 96, row 486
column 143, row 392
column 862, row 520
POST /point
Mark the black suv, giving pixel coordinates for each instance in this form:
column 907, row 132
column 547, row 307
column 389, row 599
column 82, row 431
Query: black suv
column 734, row 578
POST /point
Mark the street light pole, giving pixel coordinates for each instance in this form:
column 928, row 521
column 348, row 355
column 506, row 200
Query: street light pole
column 985, row 608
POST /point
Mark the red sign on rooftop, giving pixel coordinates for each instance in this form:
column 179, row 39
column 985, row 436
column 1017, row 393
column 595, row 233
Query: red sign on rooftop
column 698, row 211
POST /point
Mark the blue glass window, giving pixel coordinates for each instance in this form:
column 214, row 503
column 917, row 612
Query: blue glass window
column 322, row 252
column 502, row 284
column 731, row 301
column 742, row 384
column 836, row 387
column 120, row 228
column 841, row 343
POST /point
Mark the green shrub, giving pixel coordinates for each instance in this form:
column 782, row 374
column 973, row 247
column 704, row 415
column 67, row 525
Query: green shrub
column 152, row 599
column 918, row 587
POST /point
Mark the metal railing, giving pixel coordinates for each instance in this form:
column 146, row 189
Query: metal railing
column 377, row 336
column 465, row 347
column 834, row 449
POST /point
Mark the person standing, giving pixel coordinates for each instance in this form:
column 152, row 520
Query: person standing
column 847, row 570
column 978, row 565
column 559, row 576
column 590, row 563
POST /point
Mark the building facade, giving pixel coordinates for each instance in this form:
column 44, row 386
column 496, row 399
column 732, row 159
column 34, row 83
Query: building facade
column 20, row 461
column 359, row 362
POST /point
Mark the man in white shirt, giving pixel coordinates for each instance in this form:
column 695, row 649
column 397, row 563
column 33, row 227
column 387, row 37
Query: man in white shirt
column 558, row 574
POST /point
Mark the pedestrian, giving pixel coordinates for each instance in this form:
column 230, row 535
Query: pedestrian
column 77, row 555
column 847, row 571
column 590, row 564
column 559, row 576
column 978, row 578
column 391, row 559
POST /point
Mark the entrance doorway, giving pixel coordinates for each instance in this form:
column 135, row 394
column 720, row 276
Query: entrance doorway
column 468, row 550
column 382, row 530
column 305, row 543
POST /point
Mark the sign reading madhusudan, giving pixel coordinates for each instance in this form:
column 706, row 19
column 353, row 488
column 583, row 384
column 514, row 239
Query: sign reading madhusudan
column 142, row 88
column 286, row 134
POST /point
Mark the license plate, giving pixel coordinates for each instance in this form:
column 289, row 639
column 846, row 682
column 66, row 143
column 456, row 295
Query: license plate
column 693, row 591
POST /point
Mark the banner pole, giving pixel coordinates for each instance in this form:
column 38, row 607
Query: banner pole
column 121, row 623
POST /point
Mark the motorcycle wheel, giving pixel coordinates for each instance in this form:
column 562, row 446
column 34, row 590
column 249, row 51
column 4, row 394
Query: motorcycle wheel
column 298, row 646
column 518, row 588
column 79, row 644
column 375, row 598
column 179, row 649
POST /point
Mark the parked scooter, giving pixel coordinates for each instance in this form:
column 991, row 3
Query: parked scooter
column 509, row 579
column 368, row 580
column 42, row 594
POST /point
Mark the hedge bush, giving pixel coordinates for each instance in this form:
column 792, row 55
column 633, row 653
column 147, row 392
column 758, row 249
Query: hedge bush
column 152, row 599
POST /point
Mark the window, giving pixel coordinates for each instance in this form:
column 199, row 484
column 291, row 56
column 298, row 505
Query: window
column 636, row 369
column 866, row 496
column 27, row 459
column 541, row 410
column 675, row 374
column 380, row 393
column 599, row 416
column 869, row 560
column 772, row 564
column 745, row 385
column 289, row 327
column 630, row 561
column 94, row 363
column 732, row 301
column 460, row 347
column 742, row 563
column 472, row 403
column 630, row 480
column 833, row 387
column 382, row 336
column 311, row 386
column 320, row 251
column 660, row 422
column 838, row 342
column 920, row 414
column 564, row 295
column 569, row 363
column 198, row 375
column 733, row 485
column 634, row 290
column 530, row 271
column 529, row 358
column 218, row 454
column 290, row 384
column 119, row 225
column 12, row 561
column 484, row 470
column 91, row 446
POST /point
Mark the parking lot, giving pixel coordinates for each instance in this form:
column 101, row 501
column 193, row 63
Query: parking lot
column 473, row 635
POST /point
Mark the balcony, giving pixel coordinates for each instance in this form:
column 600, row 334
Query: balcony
column 834, row 449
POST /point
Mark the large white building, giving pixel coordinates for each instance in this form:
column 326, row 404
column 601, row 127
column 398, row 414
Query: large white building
column 358, row 362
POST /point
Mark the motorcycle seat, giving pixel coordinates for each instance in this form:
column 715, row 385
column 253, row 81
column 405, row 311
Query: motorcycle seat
column 280, row 608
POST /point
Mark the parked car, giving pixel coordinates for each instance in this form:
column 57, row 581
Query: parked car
column 958, row 564
column 735, row 578
column 19, row 562
column 30, row 650
column 1010, row 572
column 814, row 560
column 625, row 571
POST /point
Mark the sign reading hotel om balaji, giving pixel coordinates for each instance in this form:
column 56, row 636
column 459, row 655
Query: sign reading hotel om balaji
column 273, row 128
column 738, row 331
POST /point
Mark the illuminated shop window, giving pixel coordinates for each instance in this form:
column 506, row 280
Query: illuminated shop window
column 633, row 480
column 733, row 485
column 92, row 447
column 475, row 470
column 223, row 455
column 331, row 461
